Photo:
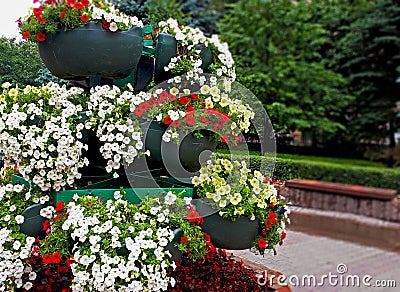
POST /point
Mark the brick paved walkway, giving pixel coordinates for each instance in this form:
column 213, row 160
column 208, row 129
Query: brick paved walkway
column 305, row 254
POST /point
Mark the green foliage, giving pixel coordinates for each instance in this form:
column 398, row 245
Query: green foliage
column 368, row 54
column 19, row 62
column 276, row 47
column 201, row 15
column 152, row 11
column 289, row 168
column 195, row 13
column 45, row 77
column 159, row 10
column 132, row 7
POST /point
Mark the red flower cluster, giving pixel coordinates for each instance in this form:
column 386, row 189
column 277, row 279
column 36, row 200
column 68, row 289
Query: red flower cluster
column 51, row 273
column 105, row 24
column 84, row 17
column 271, row 219
column 52, row 258
column 193, row 216
column 262, row 243
column 60, row 206
column 153, row 102
column 38, row 14
column 80, row 4
column 217, row 271
column 186, row 103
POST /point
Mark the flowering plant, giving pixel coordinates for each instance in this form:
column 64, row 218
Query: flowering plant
column 111, row 244
column 51, row 16
column 216, row 269
column 235, row 191
column 39, row 130
column 181, row 214
column 42, row 130
column 114, row 244
column 15, row 246
column 209, row 109
column 190, row 43
column 109, row 113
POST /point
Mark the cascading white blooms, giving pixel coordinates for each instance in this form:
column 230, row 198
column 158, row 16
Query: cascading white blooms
column 145, row 267
column 41, row 134
column 191, row 40
column 109, row 111
column 15, row 247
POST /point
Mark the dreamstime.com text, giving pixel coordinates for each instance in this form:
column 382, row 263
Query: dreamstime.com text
column 340, row 278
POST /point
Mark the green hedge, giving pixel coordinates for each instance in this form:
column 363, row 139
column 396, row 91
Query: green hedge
column 286, row 169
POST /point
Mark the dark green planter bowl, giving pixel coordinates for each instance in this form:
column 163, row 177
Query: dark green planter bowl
column 226, row 234
column 176, row 254
column 33, row 222
column 90, row 50
column 181, row 160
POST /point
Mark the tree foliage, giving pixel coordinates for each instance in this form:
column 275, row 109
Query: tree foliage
column 19, row 62
column 368, row 54
column 277, row 48
column 195, row 13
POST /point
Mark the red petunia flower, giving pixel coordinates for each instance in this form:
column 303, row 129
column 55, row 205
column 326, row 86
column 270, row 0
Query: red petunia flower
column 262, row 243
column 84, row 17
column 184, row 100
column 167, row 120
column 184, row 239
column 205, row 120
column 190, row 120
column 194, row 216
column 63, row 14
column 138, row 111
column 41, row 36
column 71, row 2
column 271, row 216
column 105, row 25
column 194, row 97
column 268, row 224
column 190, row 109
column 225, row 139
column 283, row 235
column 38, row 11
column 218, row 125
column 56, row 257
column 58, row 217
column 69, row 261
column 46, row 225
column 60, row 206
column 176, row 124
column 79, row 6
column 164, row 95
column 26, row 34
column 47, row 259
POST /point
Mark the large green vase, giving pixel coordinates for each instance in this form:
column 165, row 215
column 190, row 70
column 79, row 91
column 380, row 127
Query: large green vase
column 180, row 160
column 33, row 221
column 224, row 233
column 91, row 51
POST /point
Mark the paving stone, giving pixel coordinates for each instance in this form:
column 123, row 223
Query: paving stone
column 306, row 254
